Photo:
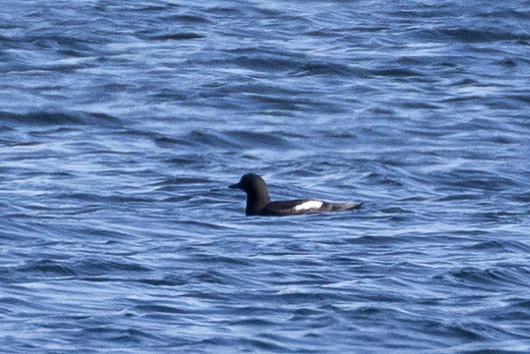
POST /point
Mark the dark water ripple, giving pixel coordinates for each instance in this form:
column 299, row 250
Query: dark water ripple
column 121, row 125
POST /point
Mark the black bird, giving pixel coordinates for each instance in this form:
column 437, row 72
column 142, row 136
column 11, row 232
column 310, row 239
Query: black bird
column 259, row 202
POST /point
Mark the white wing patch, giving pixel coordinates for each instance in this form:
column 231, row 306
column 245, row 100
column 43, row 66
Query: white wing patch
column 309, row 205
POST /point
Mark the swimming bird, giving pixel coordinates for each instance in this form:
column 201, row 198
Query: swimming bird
column 259, row 202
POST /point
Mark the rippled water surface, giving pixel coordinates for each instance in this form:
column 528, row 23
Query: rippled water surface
column 122, row 123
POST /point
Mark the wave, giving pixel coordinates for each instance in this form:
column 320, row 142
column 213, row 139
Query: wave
column 53, row 118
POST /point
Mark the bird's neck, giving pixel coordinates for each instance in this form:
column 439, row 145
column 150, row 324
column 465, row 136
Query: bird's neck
column 256, row 201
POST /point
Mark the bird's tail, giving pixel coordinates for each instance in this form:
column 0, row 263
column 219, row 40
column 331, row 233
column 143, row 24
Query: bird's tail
column 343, row 206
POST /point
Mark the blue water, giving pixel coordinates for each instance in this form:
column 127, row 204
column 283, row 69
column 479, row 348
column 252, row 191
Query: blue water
column 123, row 122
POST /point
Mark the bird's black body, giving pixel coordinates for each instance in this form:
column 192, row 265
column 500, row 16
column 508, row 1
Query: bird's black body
column 259, row 202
